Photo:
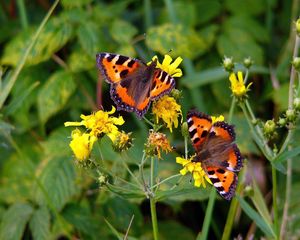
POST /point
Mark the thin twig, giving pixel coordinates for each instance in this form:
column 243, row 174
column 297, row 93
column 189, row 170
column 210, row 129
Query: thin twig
column 129, row 226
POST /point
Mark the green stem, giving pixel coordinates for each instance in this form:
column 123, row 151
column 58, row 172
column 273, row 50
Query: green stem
column 171, row 11
column 186, row 147
column 131, row 174
column 166, row 180
column 153, row 202
column 208, row 215
column 275, row 208
column 22, row 12
column 149, row 122
column 231, row 110
column 11, row 81
column 148, row 14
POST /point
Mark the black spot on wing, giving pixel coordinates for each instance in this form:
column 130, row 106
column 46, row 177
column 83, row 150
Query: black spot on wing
column 211, row 172
column 130, row 64
column 220, row 170
column 164, row 74
column 121, row 60
column 214, row 180
column 192, row 133
column 204, row 134
column 190, row 122
column 196, row 140
column 124, row 73
column 110, row 57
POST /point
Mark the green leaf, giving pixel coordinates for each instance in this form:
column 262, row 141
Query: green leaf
column 260, row 204
column 14, row 221
column 239, row 44
column 256, row 218
column 209, row 9
column 89, row 38
column 122, row 31
column 18, row 102
column 174, row 230
column 40, row 224
column 58, row 177
column 113, row 230
column 79, row 61
column 287, row 154
column 75, row 3
column 209, row 34
column 185, row 41
column 246, row 7
column 54, row 94
column 53, row 37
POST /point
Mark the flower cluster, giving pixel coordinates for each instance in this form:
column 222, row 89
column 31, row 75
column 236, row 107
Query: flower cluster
column 156, row 143
column 199, row 175
column 98, row 124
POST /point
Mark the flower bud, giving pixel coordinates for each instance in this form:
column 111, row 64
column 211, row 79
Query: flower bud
column 298, row 26
column 290, row 115
column 102, row 179
column 281, row 122
column 175, row 93
column 269, row 128
column 248, row 191
column 123, row 141
column 296, row 63
column 185, row 129
column 296, row 103
column 248, row 62
column 228, row 64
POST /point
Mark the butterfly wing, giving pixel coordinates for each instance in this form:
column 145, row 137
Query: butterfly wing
column 199, row 126
column 116, row 67
column 233, row 161
column 224, row 181
column 162, row 84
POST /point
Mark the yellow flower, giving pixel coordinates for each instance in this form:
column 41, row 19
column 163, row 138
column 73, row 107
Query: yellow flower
column 168, row 110
column 123, row 141
column 100, row 123
column 167, row 66
column 156, row 143
column 217, row 119
column 82, row 144
column 238, row 87
column 195, row 168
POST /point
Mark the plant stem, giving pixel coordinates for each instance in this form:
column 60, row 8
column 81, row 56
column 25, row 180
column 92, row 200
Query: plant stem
column 22, row 12
column 11, row 81
column 233, row 207
column 149, row 122
column 231, row 110
column 208, row 215
column 275, row 208
column 166, row 180
column 153, row 202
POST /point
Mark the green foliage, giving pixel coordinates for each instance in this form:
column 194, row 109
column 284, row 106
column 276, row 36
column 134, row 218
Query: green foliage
column 48, row 76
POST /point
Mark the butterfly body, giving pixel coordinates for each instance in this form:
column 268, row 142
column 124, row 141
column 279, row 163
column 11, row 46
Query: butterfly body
column 215, row 148
column 134, row 84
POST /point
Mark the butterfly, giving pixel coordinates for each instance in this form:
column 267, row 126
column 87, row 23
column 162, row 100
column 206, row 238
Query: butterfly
column 133, row 83
column 215, row 148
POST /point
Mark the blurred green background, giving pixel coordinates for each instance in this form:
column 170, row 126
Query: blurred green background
column 59, row 81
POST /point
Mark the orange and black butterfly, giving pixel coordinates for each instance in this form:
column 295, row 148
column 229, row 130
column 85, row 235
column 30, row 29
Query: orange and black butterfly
column 133, row 83
column 215, row 148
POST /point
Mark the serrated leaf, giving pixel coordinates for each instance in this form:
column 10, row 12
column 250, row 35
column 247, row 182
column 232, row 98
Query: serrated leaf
column 14, row 221
column 58, row 177
column 40, row 224
column 89, row 38
column 54, row 94
column 53, row 37
column 184, row 41
column 267, row 229
column 122, row 31
column 239, row 44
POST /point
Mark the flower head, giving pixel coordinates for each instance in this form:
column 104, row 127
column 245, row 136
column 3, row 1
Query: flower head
column 82, row 144
column 156, row 143
column 123, row 141
column 169, row 67
column 100, row 123
column 195, row 168
column 238, row 87
column 168, row 110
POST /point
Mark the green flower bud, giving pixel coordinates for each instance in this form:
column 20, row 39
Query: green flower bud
column 296, row 103
column 248, row 191
column 297, row 23
column 269, row 129
column 248, row 62
column 228, row 64
column 185, row 129
column 175, row 93
column 296, row 63
column 102, row 179
column 290, row 115
column 282, row 122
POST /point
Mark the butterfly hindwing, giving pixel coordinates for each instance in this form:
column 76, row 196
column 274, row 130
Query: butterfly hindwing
column 162, row 84
column 199, row 127
column 223, row 180
column 116, row 67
